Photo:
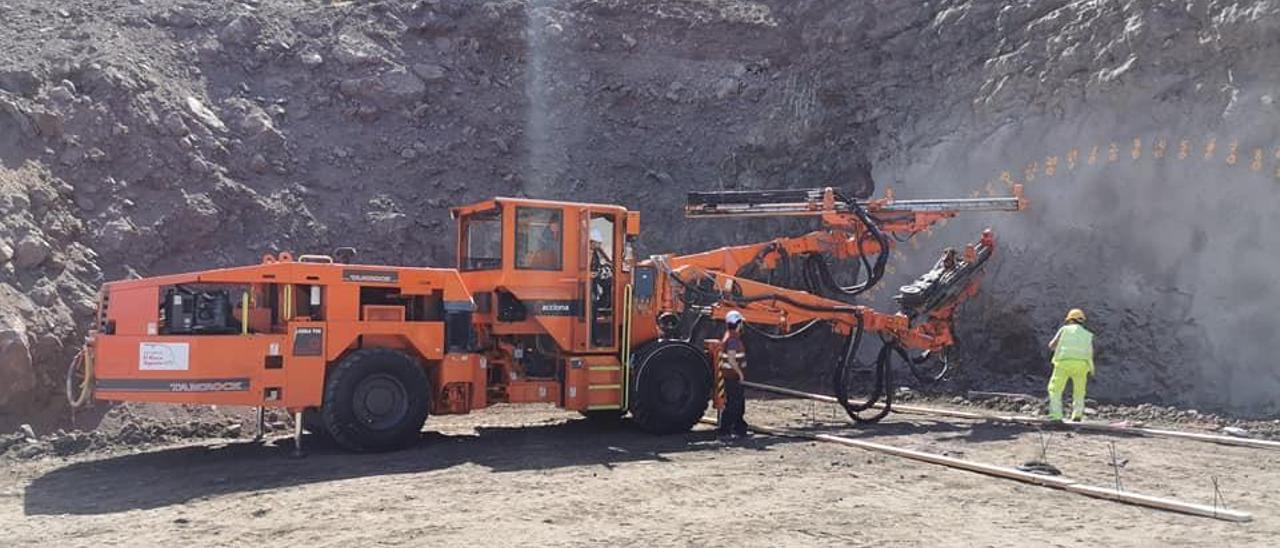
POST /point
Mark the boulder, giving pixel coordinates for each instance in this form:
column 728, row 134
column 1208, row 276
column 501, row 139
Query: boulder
column 355, row 49
column 48, row 124
column 242, row 30
column 63, row 93
column 311, row 59
column 256, row 120
column 175, row 125
column 396, row 87
column 399, row 86
column 115, row 234
column 206, row 116
column 69, row 443
column 429, row 72
column 20, row 82
column 179, row 17
column 31, row 251
column 44, row 293
column 16, row 374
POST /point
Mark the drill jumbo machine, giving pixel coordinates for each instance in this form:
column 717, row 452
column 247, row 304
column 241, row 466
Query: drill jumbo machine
column 548, row 303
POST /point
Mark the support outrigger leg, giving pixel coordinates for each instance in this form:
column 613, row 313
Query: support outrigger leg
column 261, row 433
column 297, row 436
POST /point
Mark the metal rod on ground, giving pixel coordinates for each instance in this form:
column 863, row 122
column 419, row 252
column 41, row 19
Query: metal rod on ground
column 1115, row 465
column 978, row 394
column 1055, row 482
column 1045, row 439
column 1217, row 495
column 1089, row 426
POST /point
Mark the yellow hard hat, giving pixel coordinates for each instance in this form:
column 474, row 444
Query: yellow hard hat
column 1075, row 315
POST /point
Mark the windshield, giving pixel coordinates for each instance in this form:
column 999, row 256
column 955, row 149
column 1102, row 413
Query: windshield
column 539, row 244
column 482, row 241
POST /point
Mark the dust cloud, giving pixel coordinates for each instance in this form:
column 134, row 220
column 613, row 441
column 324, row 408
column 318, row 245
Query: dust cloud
column 1158, row 221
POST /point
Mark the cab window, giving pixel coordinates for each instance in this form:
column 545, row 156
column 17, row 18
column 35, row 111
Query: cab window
column 539, row 239
column 482, row 241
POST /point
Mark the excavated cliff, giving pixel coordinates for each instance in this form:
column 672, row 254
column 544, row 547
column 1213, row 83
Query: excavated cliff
column 147, row 137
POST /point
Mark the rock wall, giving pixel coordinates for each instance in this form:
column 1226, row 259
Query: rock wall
column 146, row 138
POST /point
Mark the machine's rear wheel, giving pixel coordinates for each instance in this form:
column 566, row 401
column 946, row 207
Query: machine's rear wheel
column 672, row 387
column 375, row 399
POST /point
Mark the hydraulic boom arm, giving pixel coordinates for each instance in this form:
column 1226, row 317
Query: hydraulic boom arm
column 716, row 281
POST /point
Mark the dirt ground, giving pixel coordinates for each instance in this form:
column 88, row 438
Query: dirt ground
column 540, row 476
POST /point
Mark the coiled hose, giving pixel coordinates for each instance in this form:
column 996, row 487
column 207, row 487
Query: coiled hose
column 80, row 391
column 882, row 385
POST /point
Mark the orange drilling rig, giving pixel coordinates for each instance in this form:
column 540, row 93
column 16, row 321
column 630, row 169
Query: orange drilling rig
column 548, row 303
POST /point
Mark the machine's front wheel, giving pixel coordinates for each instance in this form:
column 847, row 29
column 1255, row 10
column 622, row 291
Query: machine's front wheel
column 376, row 399
column 313, row 423
column 672, row 387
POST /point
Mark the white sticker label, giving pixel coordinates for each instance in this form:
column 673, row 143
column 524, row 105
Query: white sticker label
column 163, row 356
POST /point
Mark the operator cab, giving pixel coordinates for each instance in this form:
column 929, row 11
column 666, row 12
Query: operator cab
column 549, row 271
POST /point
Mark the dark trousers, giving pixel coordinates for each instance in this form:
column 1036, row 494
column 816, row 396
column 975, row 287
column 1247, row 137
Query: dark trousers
column 732, row 419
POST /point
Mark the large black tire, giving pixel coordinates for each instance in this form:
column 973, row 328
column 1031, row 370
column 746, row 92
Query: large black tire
column 376, row 399
column 672, row 387
column 313, row 423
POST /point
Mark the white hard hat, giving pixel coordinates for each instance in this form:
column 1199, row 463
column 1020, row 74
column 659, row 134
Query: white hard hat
column 596, row 236
column 733, row 317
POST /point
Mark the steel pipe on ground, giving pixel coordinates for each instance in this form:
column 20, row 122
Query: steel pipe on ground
column 1055, row 482
column 1014, row 419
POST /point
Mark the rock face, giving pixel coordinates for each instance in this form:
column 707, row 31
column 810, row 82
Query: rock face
column 166, row 136
column 15, row 360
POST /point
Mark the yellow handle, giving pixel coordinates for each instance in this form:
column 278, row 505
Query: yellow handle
column 627, row 298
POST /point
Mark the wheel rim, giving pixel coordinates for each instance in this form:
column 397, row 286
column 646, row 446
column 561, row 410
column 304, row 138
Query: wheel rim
column 673, row 389
column 380, row 401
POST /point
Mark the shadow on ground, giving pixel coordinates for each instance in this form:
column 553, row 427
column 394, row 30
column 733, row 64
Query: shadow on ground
column 175, row 476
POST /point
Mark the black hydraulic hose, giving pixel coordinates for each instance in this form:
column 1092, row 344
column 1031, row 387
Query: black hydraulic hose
column 884, row 370
column 781, row 275
column 918, row 372
column 882, row 387
column 839, row 379
column 874, row 272
column 783, row 270
column 877, row 389
column 812, row 280
column 741, row 300
column 785, row 336
column 818, row 273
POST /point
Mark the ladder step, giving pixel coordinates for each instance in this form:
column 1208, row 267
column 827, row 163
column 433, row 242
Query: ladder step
column 605, row 387
column 603, row 407
column 605, row 368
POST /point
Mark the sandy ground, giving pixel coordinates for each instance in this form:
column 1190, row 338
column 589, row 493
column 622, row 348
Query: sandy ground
column 539, row 476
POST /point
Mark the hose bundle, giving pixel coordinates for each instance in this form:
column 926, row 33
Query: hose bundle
column 882, row 385
column 80, row 378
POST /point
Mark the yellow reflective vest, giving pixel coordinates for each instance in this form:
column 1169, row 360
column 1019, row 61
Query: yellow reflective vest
column 1074, row 343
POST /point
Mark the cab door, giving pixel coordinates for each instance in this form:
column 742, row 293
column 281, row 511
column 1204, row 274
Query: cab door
column 598, row 263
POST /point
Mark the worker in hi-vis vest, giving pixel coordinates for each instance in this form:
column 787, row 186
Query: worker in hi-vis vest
column 1072, row 360
column 733, row 359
